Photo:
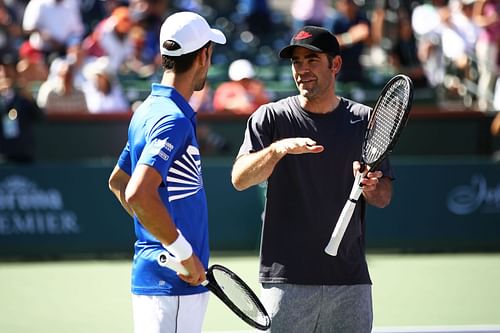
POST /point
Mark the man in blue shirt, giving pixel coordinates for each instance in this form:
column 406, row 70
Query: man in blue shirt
column 158, row 180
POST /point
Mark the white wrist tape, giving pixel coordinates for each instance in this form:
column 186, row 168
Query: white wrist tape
column 180, row 248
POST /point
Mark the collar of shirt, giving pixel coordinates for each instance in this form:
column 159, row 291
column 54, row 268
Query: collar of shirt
column 170, row 92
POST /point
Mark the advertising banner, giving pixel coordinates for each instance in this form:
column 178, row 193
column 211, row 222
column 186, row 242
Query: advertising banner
column 60, row 210
column 449, row 205
column 67, row 210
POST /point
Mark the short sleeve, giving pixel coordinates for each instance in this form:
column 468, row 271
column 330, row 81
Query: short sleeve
column 386, row 168
column 124, row 161
column 259, row 131
column 163, row 143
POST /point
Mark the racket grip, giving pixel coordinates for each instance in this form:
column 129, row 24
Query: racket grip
column 166, row 260
column 338, row 233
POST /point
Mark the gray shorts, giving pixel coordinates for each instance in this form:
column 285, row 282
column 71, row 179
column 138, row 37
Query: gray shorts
column 318, row 309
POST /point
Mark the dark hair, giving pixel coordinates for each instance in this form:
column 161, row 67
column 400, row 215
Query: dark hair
column 330, row 60
column 179, row 64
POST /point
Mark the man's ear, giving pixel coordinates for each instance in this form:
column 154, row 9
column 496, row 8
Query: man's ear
column 337, row 64
column 205, row 55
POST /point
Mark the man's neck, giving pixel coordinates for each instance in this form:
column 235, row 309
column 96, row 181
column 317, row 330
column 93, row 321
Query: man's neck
column 319, row 106
column 181, row 83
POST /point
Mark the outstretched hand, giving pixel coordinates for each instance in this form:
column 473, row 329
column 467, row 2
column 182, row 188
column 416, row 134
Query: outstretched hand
column 296, row 146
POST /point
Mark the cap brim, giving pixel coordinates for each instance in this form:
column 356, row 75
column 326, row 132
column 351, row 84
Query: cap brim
column 287, row 51
column 218, row 36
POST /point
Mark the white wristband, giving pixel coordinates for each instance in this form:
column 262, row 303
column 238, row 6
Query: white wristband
column 180, row 248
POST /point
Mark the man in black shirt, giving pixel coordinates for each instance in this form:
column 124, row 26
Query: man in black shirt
column 18, row 114
column 306, row 147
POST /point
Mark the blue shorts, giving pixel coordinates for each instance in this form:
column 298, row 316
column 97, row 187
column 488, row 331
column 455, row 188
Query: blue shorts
column 318, row 309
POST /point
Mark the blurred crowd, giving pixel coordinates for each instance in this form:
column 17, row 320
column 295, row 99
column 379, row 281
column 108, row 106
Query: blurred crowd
column 73, row 54
column 64, row 56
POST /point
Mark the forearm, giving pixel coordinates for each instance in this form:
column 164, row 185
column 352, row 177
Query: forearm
column 254, row 168
column 357, row 33
column 382, row 194
column 117, row 183
column 153, row 215
column 120, row 195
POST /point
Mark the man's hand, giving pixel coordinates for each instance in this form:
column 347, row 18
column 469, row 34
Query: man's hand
column 296, row 146
column 196, row 271
column 377, row 189
column 370, row 181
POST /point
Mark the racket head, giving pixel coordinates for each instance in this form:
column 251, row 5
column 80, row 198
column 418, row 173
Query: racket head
column 387, row 120
column 238, row 296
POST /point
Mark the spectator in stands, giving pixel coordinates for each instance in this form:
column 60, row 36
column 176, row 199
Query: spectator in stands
column 149, row 15
column 18, row 113
column 18, row 7
column 308, row 12
column 103, row 92
column 392, row 34
column 31, row 66
column 10, row 29
column 244, row 93
column 487, row 16
column 53, row 26
column 351, row 26
column 427, row 25
column 94, row 11
column 257, row 15
column 459, row 34
column 59, row 93
column 111, row 38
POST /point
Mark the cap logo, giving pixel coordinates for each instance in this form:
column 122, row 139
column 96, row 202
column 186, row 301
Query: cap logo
column 302, row 35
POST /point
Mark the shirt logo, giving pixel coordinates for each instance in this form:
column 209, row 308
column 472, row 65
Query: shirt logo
column 357, row 120
column 158, row 147
column 184, row 177
column 302, row 35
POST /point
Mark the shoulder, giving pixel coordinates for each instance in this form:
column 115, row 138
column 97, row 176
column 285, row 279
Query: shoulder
column 171, row 119
column 272, row 111
column 279, row 107
column 355, row 108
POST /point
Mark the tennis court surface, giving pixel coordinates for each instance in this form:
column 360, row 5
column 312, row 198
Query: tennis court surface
column 452, row 293
column 422, row 329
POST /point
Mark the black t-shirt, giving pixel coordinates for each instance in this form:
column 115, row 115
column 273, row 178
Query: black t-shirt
column 306, row 193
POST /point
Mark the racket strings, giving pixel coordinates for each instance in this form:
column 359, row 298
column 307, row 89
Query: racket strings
column 239, row 294
column 390, row 112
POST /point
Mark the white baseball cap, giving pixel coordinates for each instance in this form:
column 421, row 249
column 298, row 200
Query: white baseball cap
column 190, row 31
column 241, row 69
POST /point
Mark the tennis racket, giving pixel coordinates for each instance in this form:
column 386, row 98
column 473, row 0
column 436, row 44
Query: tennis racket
column 230, row 289
column 387, row 120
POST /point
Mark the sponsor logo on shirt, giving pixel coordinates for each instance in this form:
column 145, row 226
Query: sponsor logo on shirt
column 354, row 121
column 184, row 177
column 159, row 147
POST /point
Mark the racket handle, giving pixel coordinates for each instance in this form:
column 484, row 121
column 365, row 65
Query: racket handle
column 166, row 260
column 340, row 228
column 345, row 216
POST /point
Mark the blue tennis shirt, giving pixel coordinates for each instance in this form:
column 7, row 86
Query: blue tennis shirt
column 162, row 134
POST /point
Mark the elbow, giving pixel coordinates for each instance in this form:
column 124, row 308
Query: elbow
column 237, row 183
column 384, row 200
column 134, row 197
column 113, row 185
column 384, row 203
